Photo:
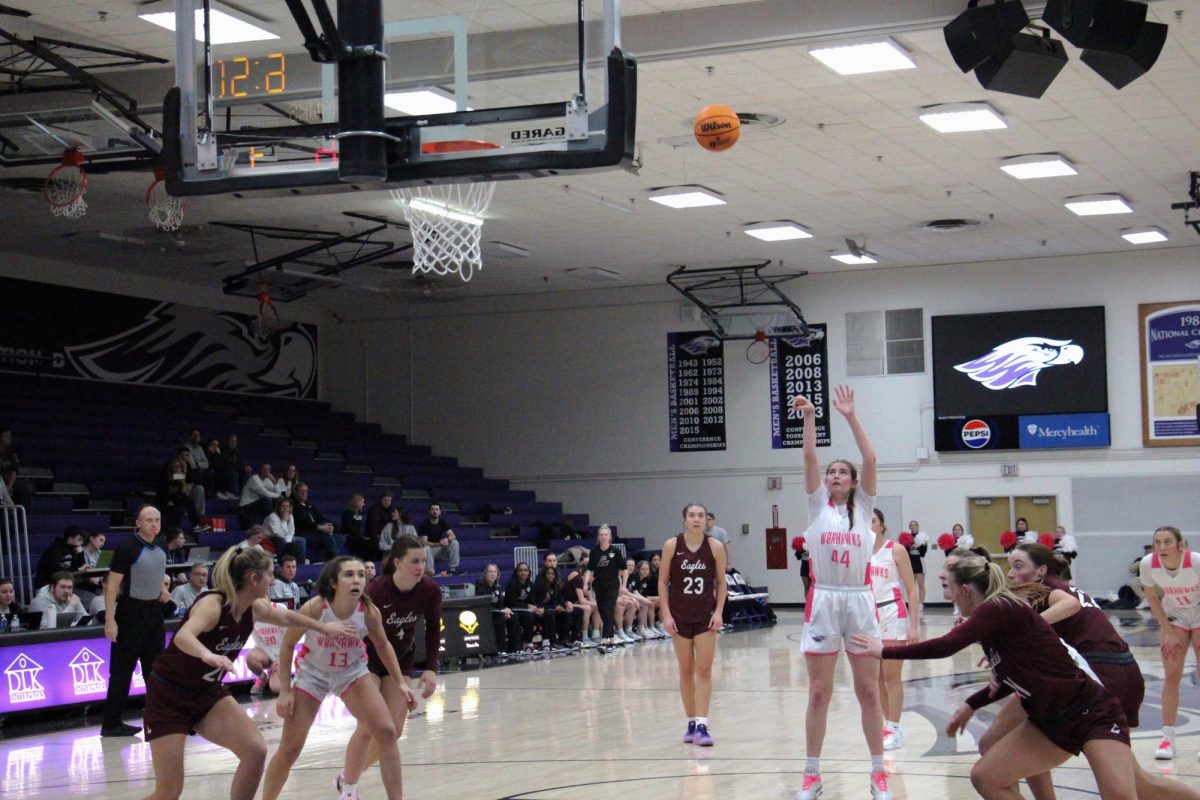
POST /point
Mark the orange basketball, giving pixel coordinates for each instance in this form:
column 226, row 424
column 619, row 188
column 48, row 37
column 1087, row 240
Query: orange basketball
column 717, row 128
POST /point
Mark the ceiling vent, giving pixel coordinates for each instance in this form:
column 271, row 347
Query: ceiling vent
column 949, row 225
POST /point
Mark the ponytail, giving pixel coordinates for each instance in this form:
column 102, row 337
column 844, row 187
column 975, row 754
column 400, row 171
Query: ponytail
column 230, row 571
column 986, row 576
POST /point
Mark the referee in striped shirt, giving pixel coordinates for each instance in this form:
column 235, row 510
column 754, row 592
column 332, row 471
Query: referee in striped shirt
column 133, row 594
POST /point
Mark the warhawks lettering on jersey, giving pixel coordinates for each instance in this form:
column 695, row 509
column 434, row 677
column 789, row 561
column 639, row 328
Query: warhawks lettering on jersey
column 844, row 538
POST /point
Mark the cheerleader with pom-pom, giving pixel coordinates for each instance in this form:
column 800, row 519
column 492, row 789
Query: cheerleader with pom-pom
column 800, row 550
column 1065, row 546
column 916, row 543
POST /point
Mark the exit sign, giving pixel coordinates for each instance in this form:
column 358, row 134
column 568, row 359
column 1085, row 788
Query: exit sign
column 1008, row 470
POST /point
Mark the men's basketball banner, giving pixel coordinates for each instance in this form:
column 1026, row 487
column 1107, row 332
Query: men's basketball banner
column 1170, row 345
column 798, row 366
column 696, row 391
column 78, row 333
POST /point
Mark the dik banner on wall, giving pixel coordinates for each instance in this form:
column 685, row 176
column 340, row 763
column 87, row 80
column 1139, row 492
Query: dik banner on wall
column 798, row 366
column 79, row 333
column 696, row 389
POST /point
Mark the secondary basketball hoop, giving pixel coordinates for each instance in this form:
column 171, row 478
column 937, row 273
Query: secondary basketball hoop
column 268, row 323
column 166, row 212
column 65, row 187
column 447, row 220
column 758, row 351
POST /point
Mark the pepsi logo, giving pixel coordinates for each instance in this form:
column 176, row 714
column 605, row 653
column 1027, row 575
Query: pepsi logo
column 976, row 433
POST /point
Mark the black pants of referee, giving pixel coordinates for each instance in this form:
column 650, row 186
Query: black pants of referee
column 139, row 638
column 606, row 598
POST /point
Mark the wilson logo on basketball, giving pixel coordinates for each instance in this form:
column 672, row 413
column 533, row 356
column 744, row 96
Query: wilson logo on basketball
column 714, row 127
column 976, row 433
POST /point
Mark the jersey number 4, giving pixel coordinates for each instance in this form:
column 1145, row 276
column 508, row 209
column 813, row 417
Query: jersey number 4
column 693, row 585
column 841, row 557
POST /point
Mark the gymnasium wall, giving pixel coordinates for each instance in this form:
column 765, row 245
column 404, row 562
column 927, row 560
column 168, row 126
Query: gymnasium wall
column 565, row 393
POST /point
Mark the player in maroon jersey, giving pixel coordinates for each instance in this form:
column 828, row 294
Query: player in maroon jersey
column 1082, row 624
column 693, row 581
column 184, row 693
column 403, row 594
column 1067, row 711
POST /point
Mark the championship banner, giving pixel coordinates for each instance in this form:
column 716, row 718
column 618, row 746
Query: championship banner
column 798, row 367
column 78, row 333
column 696, row 387
column 1170, row 347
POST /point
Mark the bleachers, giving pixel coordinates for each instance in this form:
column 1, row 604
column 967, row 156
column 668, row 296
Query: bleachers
column 93, row 451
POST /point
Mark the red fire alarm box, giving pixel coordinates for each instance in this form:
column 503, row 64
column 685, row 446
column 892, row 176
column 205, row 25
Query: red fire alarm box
column 777, row 548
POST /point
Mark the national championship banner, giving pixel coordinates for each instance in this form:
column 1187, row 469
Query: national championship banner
column 798, row 367
column 78, row 333
column 696, row 388
column 1170, row 346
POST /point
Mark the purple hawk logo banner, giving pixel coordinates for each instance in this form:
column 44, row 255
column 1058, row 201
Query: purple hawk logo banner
column 1018, row 362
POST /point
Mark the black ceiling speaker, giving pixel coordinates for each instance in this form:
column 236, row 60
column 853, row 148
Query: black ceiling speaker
column 1026, row 65
column 1117, row 41
column 980, row 32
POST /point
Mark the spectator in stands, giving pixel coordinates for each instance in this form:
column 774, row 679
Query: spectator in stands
column 281, row 527
column 212, row 451
column 8, row 597
column 230, row 470
column 255, row 538
column 312, row 525
column 549, row 560
column 518, row 598
column 505, row 623
column 10, row 464
column 176, row 495
column 352, row 528
column 89, row 589
column 176, row 546
column 400, row 525
column 57, row 596
column 655, row 560
column 258, row 496
column 287, row 482
column 186, row 593
column 378, row 515
column 369, row 568
column 720, row 534
column 63, row 554
column 285, row 589
column 439, row 540
column 199, row 467
column 93, row 544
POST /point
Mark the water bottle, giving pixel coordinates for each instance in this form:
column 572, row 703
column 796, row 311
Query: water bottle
column 4, row 624
column 16, row 624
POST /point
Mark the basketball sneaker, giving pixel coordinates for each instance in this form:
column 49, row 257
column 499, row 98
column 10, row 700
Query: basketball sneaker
column 893, row 738
column 703, row 737
column 1166, row 750
column 879, row 786
column 690, row 736
column 257, row 688
column 811, row 788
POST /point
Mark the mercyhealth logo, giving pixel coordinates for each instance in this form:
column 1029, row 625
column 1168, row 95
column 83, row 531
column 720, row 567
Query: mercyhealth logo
column 1064, row 430
column 1018, row 362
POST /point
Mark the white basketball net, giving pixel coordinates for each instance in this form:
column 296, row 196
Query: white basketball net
column 446, row 223
column 64, row 191
column 166, row 212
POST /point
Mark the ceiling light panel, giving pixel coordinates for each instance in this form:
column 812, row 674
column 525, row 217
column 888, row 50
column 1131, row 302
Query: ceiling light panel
column 1041, row 165
column 687, row 197
column 853, row 260
column 858, row 59
column 223, row 28
column 1095, row 205
column 1151, row 235
column 777, row 231
column 962, row 117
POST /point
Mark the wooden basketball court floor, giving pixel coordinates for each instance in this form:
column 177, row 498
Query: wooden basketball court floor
column 607, row 727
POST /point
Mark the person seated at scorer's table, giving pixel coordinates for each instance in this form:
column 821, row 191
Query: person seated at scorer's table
column 185, row 594
column 8, row 598
column 58, row 597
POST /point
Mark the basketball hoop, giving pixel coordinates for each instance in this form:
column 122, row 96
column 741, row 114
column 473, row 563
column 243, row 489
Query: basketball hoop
column 447, row 220
column 65, row 186
column 758, row 350
column 268, row 323
column 166, row 212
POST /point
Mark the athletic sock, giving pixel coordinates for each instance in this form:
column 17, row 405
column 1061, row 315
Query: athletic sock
column 893, row 725
column 701, row 720
column 1169, row 732
column 876, row 764
column 349, row 789
column 812, row 766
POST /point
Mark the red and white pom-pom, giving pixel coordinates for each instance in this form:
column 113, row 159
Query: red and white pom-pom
column 797, row 542
column 1068, row 545
column 905, row 539
column 922, row 539
column 1008, row 540
column 1029, row 537
column 966, row 541
column 1046, row 540
column 946, row 541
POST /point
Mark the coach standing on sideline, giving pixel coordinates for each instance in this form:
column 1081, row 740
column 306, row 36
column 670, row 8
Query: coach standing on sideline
column 133, row 593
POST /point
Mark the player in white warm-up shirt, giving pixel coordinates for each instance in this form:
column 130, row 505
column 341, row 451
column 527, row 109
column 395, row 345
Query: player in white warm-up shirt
column 840, row 602
column 1171, row 575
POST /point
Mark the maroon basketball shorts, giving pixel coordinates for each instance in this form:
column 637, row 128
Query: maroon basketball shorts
column 690, row 630
column 171, row 708
column 1123, row 679
column 1100, row 717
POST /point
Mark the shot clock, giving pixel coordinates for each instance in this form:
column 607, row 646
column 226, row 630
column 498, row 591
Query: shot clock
column 248, row 77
